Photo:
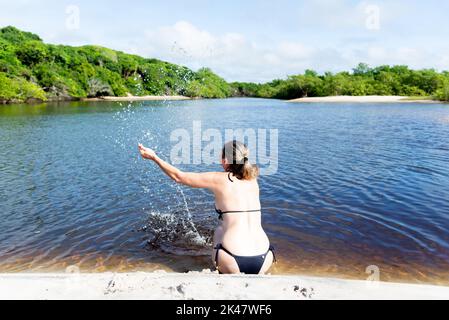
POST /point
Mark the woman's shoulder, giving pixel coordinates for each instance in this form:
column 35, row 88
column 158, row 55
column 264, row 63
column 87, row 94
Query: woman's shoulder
column 223, row 178
column 220, row 177
column 228, row 177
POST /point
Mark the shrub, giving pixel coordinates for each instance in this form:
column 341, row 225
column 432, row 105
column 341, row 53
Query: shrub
column 19, row 90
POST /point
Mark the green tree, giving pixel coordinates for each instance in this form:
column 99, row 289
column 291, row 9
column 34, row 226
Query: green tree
column 32, row 53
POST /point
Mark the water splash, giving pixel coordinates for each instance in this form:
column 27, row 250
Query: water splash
column 173, row 232
column 170, row 222
column 194, row 230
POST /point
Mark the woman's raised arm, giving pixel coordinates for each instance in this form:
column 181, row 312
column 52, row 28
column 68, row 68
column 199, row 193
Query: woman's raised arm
column 208, row 180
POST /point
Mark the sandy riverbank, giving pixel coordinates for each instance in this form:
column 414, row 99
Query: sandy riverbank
column 362, row 99
column 204, row 286
column 138, row 98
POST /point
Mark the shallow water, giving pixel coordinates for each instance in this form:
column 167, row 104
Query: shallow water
column 357, row 185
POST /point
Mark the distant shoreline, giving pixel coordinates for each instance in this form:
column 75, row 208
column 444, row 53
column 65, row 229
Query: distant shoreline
column 50, row 75
column 363, row 99
column 137, row 98
column 330, row 99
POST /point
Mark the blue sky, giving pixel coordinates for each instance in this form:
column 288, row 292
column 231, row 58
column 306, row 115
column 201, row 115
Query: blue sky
column 251, row 40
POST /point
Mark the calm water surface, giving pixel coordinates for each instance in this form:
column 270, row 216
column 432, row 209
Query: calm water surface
column 357, row 185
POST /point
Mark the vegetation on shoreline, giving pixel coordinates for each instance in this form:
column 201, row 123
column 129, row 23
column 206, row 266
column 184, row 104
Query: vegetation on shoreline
column 33, row 70
column 363, row 81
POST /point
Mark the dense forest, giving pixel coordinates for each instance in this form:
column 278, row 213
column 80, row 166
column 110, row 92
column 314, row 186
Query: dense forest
column 33, row 70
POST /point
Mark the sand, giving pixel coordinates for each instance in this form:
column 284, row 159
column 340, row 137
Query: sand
column 362, row 99
column 204, row 286
column 334, row 99
column 130, row 98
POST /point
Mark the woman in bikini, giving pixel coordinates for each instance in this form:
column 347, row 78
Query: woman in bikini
column 240, row 243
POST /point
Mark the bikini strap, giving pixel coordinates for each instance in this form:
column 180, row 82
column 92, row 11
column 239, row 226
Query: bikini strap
column 246, row 211
column 274, row 255
column 220, row 213
column 220, row 247
column 216, row 254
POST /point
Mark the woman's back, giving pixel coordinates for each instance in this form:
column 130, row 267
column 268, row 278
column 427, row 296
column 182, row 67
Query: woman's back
column 242, row 226
column 240, row 243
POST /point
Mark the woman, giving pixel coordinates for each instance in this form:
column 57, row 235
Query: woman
column 240, row 243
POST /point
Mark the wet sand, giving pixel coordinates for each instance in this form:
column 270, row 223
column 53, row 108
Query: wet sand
column 363, row 99
column 204, row 286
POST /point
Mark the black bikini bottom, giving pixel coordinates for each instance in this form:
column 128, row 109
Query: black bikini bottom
column 247, row 265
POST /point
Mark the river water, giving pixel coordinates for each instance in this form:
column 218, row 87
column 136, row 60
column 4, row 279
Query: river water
column 357, row 185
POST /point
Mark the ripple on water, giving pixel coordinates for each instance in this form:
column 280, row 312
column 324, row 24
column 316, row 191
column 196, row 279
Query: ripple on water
column 356, row 186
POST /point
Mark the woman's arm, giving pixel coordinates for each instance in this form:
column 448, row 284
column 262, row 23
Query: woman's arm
column 195, row 180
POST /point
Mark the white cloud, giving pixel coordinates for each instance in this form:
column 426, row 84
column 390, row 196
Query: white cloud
column 294, row 50
column 183, row 39
column 231, row 55
column 236, row 58
column 444, row 61
column 377, row 53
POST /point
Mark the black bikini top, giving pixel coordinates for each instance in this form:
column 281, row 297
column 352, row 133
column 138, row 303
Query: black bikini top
column 221, row 213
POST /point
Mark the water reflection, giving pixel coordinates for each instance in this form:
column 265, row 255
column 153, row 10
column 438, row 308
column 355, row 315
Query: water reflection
column 358, row 185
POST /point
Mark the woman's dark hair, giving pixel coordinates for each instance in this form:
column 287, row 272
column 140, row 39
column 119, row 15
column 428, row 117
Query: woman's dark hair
column 237, row 155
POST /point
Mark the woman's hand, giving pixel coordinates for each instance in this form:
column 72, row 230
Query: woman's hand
column 147, row 153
